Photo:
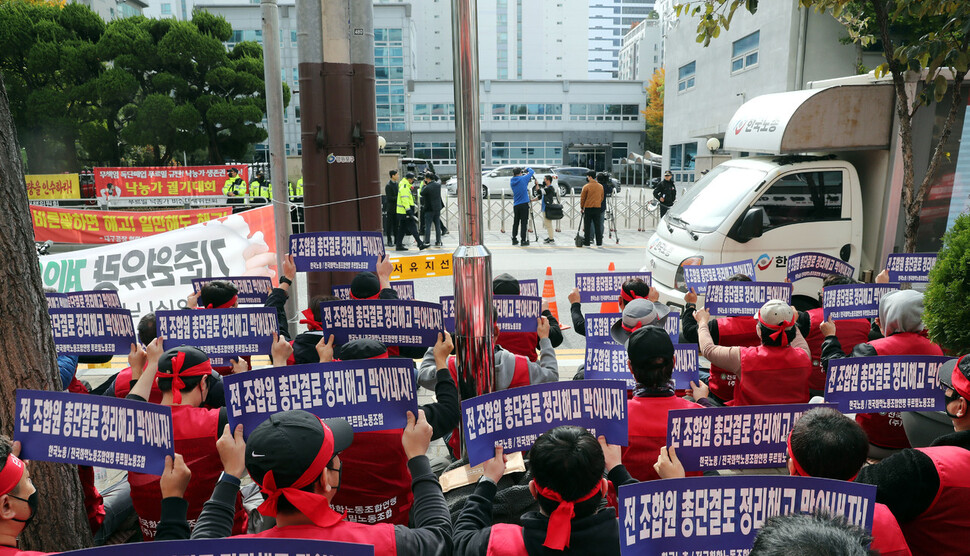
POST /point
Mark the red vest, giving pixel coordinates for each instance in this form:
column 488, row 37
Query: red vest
column 194, row 430
column 942, row 528
column 380, row 536
column 375, row 485
column 886, row 429
column 887, row 537
column 647, row 423
column 731, row 331
column 506, row 539
column 13, row 551
column 520, row 377
column 520, row 343
column 123, row 386
column 772, row 375
column 850, row 332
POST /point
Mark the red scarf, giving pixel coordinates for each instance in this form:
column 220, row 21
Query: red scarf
column 314, row 506
column 561, row 521
column 311, row 322
column 226, row 305
column 799, row 471
column 11, row 474
column 634, row 328
column 779, row 329
column 202, row 369
column 628, row 296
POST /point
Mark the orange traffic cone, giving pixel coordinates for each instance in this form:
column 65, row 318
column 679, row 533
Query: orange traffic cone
column 549, row 293
column 610, row 306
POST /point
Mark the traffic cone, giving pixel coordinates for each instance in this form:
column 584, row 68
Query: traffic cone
column 549, row 293
column 610, row 306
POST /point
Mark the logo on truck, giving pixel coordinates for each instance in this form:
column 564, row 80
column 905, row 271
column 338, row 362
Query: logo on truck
column 756, row 126
column 764, row 261
column 740, row 127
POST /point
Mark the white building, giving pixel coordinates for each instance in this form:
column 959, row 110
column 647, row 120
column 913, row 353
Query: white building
column 642, row 52
column 609, row 20
column 115, row 9
column 780, row 48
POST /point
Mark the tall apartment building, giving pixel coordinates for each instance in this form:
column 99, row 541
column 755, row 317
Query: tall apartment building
column 609, row 20
column 642, row 52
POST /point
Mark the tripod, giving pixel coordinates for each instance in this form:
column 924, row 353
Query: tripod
column 610, row 217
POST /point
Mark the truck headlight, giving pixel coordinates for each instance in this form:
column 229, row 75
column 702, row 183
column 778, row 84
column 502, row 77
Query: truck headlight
column 679, row 283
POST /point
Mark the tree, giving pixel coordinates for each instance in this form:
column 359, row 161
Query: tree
column 653, row 113
column 27, row 357
column 936, row 57
column 946, row 297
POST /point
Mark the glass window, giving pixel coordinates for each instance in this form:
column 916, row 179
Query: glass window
column 166, row 9
column 293, row 37
column 744, row 52
column 802, row 197
column 676, row 156
column 685, row 77
column 715, row 196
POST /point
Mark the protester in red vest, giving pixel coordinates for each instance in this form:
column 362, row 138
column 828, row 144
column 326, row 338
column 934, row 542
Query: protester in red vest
column 567, row 465
column 634, row 288
column 376, row 485
column 294, row 457
column 927, row 489
column 651, row 360
column 725, row 331
column 776, row 372
column 901, row 322
column 523, row 343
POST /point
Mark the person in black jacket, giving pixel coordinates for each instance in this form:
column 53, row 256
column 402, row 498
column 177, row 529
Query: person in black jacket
column 431, row 208
column 665, row 193
column 390, row 207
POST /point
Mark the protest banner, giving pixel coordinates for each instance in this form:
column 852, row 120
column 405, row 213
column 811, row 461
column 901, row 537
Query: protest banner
column 163, row 185
column 87, row 226
column 93, row 430
column 529, row 288
column 97, row 299
column 886, row 383
column 221, row 333
column 372, row 395
column 697, row 276
column 251, row 290
column 600, row 287
column 516, row 313
column 421, row 266
column 854, row 301
column 607, row 360
column 155, row 273
column 732, row 299
column 733, row 437
column 598, row 325
column 816, row 265
column 392, row 322
column 99, row 331
column 53, row 186
column 337, row 251
column 515, row 418
column 232, row 547
column 910, row 267
column 405, row 291
column 57, row 300
column 686, row 367
column 671, row 324
column 701, row 516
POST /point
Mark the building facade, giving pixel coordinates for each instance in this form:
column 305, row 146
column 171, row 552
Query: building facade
column 115, row 9
column 642, row 52
column 608, row 21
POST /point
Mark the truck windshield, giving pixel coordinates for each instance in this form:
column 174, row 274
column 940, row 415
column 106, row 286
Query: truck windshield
column 705, row 205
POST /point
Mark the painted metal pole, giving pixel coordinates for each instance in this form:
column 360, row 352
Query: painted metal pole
column 277, row 154
column 472, row 260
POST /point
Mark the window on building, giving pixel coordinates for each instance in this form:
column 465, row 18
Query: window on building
column 620, row 152
column 604, row 112
column 685, row 77
column 433, row 112
column 166, row 9
column 527, row 152
column 518, row 112
column 292, row 37
column 389, row 74
column 802, row 197
column 439, row 153
column 744, row 52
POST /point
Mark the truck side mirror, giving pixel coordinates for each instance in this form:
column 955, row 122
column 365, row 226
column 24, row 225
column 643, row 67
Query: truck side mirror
column 751, row 226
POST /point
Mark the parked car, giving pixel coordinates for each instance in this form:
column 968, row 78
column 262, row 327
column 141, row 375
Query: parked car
column 573, row 178
column 498, row 181
column 452, row 184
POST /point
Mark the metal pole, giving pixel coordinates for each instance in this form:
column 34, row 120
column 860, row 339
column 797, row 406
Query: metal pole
column 472, row 260
column 277, row 154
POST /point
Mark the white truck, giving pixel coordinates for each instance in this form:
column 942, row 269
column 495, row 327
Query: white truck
column 828, row 184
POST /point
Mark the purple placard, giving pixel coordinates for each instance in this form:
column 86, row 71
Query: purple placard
column 404, row 289
column 885, row 383
column 607, row 360
column 95, row 299
column 57, row 300
column 94, row 430
column 734, row 299
column 337, row 251
column 816, row 265
column 529, row 288
column 515, row 418
column 685, row 365
column 249, row 546
column 221, row 333
column 706, row 515
column 393, row 322
column 733, row 437
column 697, row 276
column 448, row 312
column 371, row 394
column 672, row 325
column 854, row 301
column 252, row 290
column 603, row 287
column 92, row 331
column 598, row 325
column 910, row 267
column 517, row 313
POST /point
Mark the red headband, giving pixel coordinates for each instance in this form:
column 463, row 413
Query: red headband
column 634, row 328
column 628, row 297
column 375, row 296
column 226, row 305
column 311, row 322
column 799, row 470
column 561, row 521
column 11, row 474
column 778, row 328
column 202, row 369
column 314, row 506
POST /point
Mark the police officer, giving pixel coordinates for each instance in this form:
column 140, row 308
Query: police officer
column 407, row 215
column 234, row 188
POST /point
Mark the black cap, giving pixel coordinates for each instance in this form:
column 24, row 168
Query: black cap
column 193, row 356
column 409, row 175
column 289, row 441
column 505, row 284
column 232, row 170
column 365, row 285
column 647, row 344
column 362, row 348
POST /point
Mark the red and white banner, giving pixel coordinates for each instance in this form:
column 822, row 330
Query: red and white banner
column 88, row 226
column 134, row 186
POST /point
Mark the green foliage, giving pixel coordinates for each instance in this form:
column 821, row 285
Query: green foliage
column 946, row 311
